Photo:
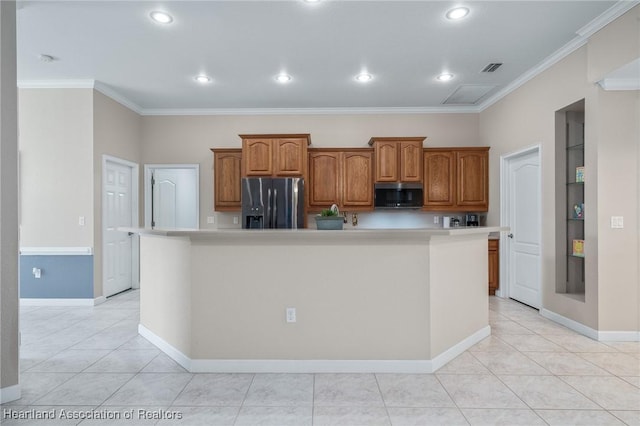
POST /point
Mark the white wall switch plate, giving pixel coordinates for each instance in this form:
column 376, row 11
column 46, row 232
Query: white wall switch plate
column 236, row 220
column 81, row 220
column 436, row 220
column 211, row 220
column 291, row 314
column 617, row 222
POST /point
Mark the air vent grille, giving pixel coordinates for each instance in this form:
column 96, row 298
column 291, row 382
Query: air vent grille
column 492, row 67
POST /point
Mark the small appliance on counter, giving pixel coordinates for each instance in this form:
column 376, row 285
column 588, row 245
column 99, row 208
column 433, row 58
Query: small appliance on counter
column 471, row 219
column 272, row 203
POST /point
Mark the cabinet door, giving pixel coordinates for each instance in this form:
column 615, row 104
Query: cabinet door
column 439, row 179
column 494, row 266
column 410, row 161
column 386, row 161
column 227, row 178
column 257, row 159
column 357, row 180
column 290, row 157
column 324, row 179
column 472, row 180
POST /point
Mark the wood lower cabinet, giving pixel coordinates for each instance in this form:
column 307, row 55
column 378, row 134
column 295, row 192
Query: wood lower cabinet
column 275, row 155
column 226, row 181
column 494, row 266
column 398, row 159
column 456, row 179
column 340, row 176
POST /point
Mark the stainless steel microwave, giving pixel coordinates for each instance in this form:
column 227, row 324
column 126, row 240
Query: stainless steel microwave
column 398, row 195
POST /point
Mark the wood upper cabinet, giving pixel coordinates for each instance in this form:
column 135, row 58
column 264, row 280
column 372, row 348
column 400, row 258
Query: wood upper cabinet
column 494, row 266
column 275, row 155
column 456, row 179
column 340, row 176
column 227, row 177
column 473, row 179
column 398, row 159
column 357, row 179
column 439, row 178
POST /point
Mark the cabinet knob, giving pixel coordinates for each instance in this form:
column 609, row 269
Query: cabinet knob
column 510, row 235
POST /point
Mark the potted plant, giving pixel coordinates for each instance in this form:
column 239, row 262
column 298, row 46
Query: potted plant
column 329, row 219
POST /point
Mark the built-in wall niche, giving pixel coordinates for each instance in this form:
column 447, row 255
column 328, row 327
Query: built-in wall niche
column 571, row 212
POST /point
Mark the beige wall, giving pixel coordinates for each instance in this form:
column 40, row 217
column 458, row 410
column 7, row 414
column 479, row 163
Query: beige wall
column 187, row 139
column 526, row 117
column 116, row 132
column 56, row 167
column 9, row 367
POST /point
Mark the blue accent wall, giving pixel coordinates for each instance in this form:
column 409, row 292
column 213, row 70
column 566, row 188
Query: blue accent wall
column 63, row 277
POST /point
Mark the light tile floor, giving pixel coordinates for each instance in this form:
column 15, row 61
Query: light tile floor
column 531, row 371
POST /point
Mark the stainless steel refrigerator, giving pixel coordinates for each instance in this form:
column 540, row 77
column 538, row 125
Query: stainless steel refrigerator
column 272, row 203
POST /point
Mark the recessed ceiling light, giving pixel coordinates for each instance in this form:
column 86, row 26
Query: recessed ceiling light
column 161, row 17
column 202, row 79
column 457, row 13
column 283, row 78
column 445, row 77
column 364, row 77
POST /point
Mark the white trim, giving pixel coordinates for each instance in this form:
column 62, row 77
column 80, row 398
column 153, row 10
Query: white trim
column 619, row 336
column 504, row 271
column 312, row 111
column 606, row 17
column 148, row 169
column 165, row 347
column 312, row 365
column 62, row 302
column 569, row 323
column 56, row 84
column 620, row 84
column 457, row 349
column 135, row 206
column 10, row 393
column 113, row 94
column 56, row 251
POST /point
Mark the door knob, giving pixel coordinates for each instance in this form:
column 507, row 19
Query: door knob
column 510, row 235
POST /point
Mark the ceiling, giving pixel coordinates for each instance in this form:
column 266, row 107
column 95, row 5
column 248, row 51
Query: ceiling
column 243, row 45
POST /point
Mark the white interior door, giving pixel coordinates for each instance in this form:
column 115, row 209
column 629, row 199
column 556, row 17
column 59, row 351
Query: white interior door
column 173, row 196
column 118, row 212
column 523, row 242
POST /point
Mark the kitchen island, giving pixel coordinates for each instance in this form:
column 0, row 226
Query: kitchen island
column 404, row 300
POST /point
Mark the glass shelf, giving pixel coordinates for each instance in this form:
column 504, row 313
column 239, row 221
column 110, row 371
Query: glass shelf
column 575, row 183
column 575, row 256
column 578, row 146
column 578, row 219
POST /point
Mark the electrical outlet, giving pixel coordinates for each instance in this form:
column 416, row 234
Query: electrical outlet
column 211, row 220
column 617, row 222
column 291, row 314
column 236, row 220
column 436, row 220
column 81, row 220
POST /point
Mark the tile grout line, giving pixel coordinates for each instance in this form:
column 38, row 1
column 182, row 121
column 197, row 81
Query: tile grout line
column 384, row 402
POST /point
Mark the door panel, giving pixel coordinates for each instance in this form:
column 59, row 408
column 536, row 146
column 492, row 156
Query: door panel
column 290, row 157
column 324, row 181
column 386, row 161
column 439, row 174
column 411, row 161
column 257, row 157
column 524, row 221
column 473, row 189
column 357, row 181
column 175, row 197
column 117, row 213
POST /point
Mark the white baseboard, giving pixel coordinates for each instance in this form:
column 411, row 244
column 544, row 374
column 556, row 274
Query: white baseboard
column 569, row 323
column 311, row 365
column 56, row 251
column 619, row 336
column 602, row 336
column 62, row 302
column 10, row 393
column 165, row 347
column 459, row 348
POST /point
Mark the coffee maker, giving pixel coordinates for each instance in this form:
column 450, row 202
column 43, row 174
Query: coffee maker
column 471, row 219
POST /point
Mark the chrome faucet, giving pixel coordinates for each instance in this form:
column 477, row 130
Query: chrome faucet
column 354, row 219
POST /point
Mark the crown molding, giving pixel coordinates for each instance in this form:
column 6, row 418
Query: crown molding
column 312, row 111
column 122, row 100
column 620, row 83
column 582, row 38
column 56, row 84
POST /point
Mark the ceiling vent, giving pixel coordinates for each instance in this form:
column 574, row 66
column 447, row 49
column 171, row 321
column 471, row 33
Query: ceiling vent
column 492, row 67
column 468, row 94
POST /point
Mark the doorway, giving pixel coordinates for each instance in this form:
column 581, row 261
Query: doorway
column 521, row 211
column 172, row 196
column 119, row 209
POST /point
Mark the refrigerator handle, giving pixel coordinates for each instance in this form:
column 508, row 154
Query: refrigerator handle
column 275, row 208
column 268, row 208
